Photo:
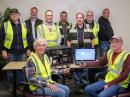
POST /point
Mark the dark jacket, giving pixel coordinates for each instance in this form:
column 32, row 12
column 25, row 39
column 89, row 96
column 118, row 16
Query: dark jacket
column 29, row 28
column 106, row 31
column 17, row 43
column 64, row 30
column 81, row 35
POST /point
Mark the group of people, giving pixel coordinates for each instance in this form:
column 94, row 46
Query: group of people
column 30, row 39
column 63, row 32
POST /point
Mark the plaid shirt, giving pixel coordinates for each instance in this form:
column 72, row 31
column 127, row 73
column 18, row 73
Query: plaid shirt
column 31, row 74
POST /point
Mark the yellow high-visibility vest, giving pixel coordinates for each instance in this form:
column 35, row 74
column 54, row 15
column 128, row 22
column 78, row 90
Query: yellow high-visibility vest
column 114, row 69
column 9, row 35
column 95, row 31
column 50, row 36
column 43, row 71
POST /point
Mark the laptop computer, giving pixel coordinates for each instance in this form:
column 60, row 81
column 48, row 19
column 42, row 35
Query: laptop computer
column 84, row 55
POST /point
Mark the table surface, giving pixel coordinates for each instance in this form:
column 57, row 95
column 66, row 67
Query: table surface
column 74, row 66
column 14, row 65
column 17, row 65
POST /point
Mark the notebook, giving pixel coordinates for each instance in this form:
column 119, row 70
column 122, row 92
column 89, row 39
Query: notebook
column 84, row 55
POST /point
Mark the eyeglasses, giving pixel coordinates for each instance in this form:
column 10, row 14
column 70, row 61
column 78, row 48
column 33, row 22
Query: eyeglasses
column 89, row 15
column 106, row 12
column 14, row 14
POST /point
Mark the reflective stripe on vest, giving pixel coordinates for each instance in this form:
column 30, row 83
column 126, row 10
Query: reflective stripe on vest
column 62, row 36
column 75, row 41
column 73, row 30
column 43, row 71
column 38, row 70
column 115, row 68
column 64, row 30
column 9, row 35
column 40, row 31
column 87, row 41
column 117, row 72
column 51, row 40
column 61, row 27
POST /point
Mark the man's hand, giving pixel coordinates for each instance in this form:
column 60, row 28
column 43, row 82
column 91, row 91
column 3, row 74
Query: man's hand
column 53, row 87
column 68, row 44
column 67, row 70
column 105, row 86
column 82, row 64
column 4, row 54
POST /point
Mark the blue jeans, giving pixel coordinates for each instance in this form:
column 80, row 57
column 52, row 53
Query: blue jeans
column 63, row 91
column 97, row 90
column 19, row 74
column 80, row 76
column 104, row 47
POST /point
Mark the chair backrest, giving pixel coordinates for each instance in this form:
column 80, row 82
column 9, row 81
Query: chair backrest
column 27, row 92
column 126, row 93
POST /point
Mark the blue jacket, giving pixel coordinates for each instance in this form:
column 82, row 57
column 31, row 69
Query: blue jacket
column 17, row 44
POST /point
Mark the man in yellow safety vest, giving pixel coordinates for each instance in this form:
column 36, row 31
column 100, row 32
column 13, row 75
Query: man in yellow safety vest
column 14, row 41
column 118, row 61
column 49, row 30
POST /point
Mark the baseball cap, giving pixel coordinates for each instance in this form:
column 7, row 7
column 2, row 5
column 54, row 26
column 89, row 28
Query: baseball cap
column 116, row 37
column 14, row 10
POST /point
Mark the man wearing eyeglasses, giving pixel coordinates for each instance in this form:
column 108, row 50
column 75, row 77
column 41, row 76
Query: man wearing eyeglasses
column 14, row 42
column 93, row 27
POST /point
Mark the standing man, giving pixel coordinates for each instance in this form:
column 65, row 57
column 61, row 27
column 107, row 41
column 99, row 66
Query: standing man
column 14, row 41
column 49, row 30
column 64, row 27
column 79, row 37
column 32, row 24
column 118, row 61
column 106, row 31
column 93, row 27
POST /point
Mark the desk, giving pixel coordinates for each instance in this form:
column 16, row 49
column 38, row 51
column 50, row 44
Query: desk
column 74, row 66
column 14, row 66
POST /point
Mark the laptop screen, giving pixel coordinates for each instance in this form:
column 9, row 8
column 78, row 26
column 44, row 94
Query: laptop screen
column 85, row 54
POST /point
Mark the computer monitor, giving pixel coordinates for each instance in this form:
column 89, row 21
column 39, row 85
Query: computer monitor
column 85, row 54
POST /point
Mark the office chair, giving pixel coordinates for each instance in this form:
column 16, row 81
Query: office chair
column 126, row 93
column 26, row 91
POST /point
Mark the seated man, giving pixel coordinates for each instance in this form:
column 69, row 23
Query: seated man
column 38, row 71
column 118, row 61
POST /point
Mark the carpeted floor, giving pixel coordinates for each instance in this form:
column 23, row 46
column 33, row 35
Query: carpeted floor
column 5, row 93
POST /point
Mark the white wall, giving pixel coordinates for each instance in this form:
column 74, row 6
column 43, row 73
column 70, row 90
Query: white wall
column 2, row 5
column 119, row 18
